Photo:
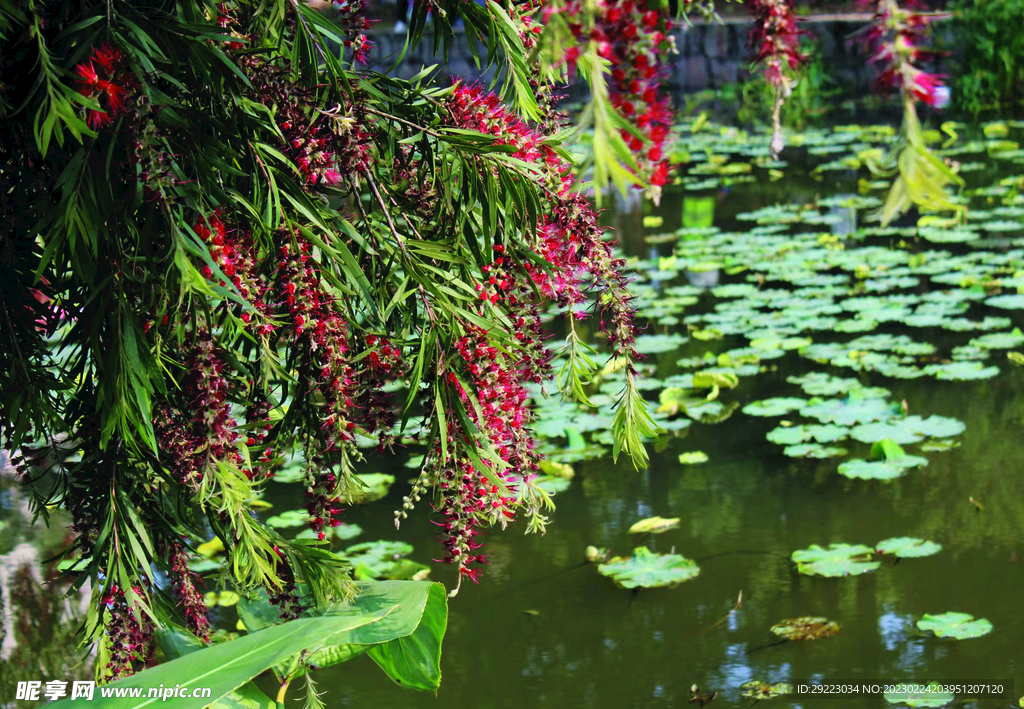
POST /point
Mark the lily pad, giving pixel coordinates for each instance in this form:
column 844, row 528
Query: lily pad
column 806, row 628
column 933, row 696
column 778, row 406
column 962, row 371
column 645, row 569
column 908, row 547
column 654, row 344
column 870, row 470
column 756, row 689
column 908, row 430
column 291, row 518
column 654, row 525
column 813, row 450
column 693, row 457
column 999, row 340
column 837, row 560
column 383, row 560
column 1013, row 301
column 791, row 435
column 960, row 626
column 376, row 486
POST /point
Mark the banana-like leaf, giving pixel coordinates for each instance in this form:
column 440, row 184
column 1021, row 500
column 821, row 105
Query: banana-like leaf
column 383, row 612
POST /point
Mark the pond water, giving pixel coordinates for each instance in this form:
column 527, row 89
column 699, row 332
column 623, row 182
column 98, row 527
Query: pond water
column 545, row 629
column 776, row 270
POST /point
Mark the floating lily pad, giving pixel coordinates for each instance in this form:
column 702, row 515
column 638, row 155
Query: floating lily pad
column 778, row 406
column 653, row 344
column 870, row 470
column 1013, row 301
column 933, row 696
column 645, row 569
column 837, row 560
column 376, row 486
column 908, row 547
column 792, row 435
column 856, row 408
column 962, row 371
column 693, row 458
column 707, row 380
column 654, row 525
column 908, row 430
column 960, row 626
column 755, row 689
column 383, row 560
column 291, row 518
column 813, row 450
column 999, row 340
column 806, row 628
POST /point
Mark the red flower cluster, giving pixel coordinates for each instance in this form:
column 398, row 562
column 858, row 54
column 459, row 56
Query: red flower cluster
column 325, row 145
column 312, row 324
column 192, row 602
column 192, row 442
column 895, row 36
column 107, row 77
column 496, row 372
column 636, row 40
column 776, row 39
column 129, row 638
column 578, row 258
column 464, row 496
column 351, row 20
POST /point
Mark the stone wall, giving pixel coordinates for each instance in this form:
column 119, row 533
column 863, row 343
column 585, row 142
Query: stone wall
column 710, row 55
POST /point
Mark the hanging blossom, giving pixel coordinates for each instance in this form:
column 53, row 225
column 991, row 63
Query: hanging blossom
column 551, row 120
column 202, row 434
column 636, row 40
column 107, row 77
column 129, row 636
column 579, row 259
column 776, row 40
column 325, row 146
column 495, row 373
column 193, row 604
column 896, row 36
column 353, row 24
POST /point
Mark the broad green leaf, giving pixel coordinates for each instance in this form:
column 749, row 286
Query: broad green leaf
column 837, row 560
column 382, row 612
column 645, row 569
column 908, row 547
column 960, row 626
column 654, row 525
column 414, row 661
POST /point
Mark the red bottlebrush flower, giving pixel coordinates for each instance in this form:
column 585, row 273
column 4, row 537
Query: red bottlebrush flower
column 778, row 39
column 87, row 73
column 572, row 245
column 109, row 57
column 193, row 604
column 106, row 77
column 129, row 639
column 894, row 40
column 930, row 89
